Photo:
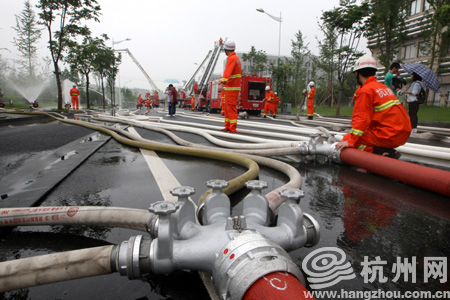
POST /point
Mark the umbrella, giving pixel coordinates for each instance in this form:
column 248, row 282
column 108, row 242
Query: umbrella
column 171, row 80
column 429, row 78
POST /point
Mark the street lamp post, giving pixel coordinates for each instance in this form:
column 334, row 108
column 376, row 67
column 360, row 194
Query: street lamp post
column 279, row 20
column 114, row 81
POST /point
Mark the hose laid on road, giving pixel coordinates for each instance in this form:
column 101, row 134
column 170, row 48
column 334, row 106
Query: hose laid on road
column 235, row 184
column 274, row 198
column 57, row 267
column 137, row 219
column 426, row 178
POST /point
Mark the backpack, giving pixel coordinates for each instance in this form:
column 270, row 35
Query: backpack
column 422, row 96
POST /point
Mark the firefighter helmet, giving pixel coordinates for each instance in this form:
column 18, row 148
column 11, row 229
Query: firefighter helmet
column 365, row 61
column 267, row 88
column 311, row 83
column 229, row 45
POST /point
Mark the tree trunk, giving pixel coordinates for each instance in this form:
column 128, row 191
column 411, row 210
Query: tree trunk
column 103, row 93
column 59, row 86
column 338, row 108
column 88, row 102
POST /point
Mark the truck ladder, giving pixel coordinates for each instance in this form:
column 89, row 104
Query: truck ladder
column 152, row 84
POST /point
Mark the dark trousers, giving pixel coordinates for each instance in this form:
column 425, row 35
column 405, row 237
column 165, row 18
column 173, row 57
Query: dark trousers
column 172, row 108
column 413, row 109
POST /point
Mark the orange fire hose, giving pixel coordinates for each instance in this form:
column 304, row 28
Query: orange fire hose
column 278, row 285
column 426, row 178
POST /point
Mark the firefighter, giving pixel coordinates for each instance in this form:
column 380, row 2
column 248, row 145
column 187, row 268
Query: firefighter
column 231, row 84
column 379, row 121
column 311, row 92
column 270, row 105
column 140, row 101
column 193, row 103
column 74, row 93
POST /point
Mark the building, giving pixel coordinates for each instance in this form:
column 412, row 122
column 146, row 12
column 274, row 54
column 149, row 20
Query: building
column 415, row 48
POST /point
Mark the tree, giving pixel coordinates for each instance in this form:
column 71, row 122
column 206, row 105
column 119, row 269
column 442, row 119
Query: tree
column 67, row 17
column 281, row 75
column 28, row 34
column 386, row 22
column 82, row 56
column 326, row 61
column 299, row 52
column 103, row 63
column 348, row 21
column 258, row 60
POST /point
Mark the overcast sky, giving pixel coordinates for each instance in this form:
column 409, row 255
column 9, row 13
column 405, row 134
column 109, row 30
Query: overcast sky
column 168, row 37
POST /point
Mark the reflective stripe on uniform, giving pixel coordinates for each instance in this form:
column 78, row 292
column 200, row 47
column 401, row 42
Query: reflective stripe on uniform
column 387, row 105
column 357, row 132
column 232, row 88
column 362, row 147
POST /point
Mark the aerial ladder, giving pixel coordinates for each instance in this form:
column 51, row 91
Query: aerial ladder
column 200, row 92
column 152, row 84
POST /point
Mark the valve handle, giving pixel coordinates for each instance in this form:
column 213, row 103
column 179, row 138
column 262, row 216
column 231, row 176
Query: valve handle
column 256, row 184
column 292, row 194
column 183, row 191
column 163, row 207
column 217, row 183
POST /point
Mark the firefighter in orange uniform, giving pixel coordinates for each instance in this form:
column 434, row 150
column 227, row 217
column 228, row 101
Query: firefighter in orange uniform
column 140, row 102
column 74, row 93
column 193, row 103
column 231, row 84
column 379, row 120
column 270, row 105
column 310, row 100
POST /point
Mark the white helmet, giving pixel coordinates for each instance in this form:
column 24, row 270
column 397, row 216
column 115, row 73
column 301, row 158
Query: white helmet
column 311, row 83
column 365, row 61
column 229, row 45
column 267, row 88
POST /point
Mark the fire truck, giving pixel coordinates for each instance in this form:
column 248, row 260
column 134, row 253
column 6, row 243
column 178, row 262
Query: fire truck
column 181, row 98
column 251, row 97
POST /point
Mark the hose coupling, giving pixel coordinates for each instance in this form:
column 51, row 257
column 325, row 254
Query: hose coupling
column 133, row 258
column 247, row 257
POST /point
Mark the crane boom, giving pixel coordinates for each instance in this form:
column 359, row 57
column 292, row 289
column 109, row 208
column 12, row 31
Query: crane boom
column 152, row 84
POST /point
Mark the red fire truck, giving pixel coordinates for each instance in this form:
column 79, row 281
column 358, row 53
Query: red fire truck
column 251, row 97
column 181, row 97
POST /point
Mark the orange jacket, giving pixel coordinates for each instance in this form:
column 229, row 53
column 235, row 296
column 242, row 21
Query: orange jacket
column 355, row 95
column 74, row 92
column 270, row 96
column 311, row 94
column 377, row 108
column 232, row 74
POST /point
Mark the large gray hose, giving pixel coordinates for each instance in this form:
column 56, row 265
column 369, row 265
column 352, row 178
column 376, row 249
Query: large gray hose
column 57, row 267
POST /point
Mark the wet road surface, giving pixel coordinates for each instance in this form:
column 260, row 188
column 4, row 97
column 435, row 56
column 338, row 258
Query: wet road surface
column 370, row 218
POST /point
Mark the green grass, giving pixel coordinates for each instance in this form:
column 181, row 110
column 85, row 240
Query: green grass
column 427, row 113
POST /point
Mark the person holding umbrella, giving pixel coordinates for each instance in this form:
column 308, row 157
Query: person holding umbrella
column 422, row 78
column 412, row 100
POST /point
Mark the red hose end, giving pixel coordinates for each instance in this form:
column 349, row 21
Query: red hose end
column 277, row 285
